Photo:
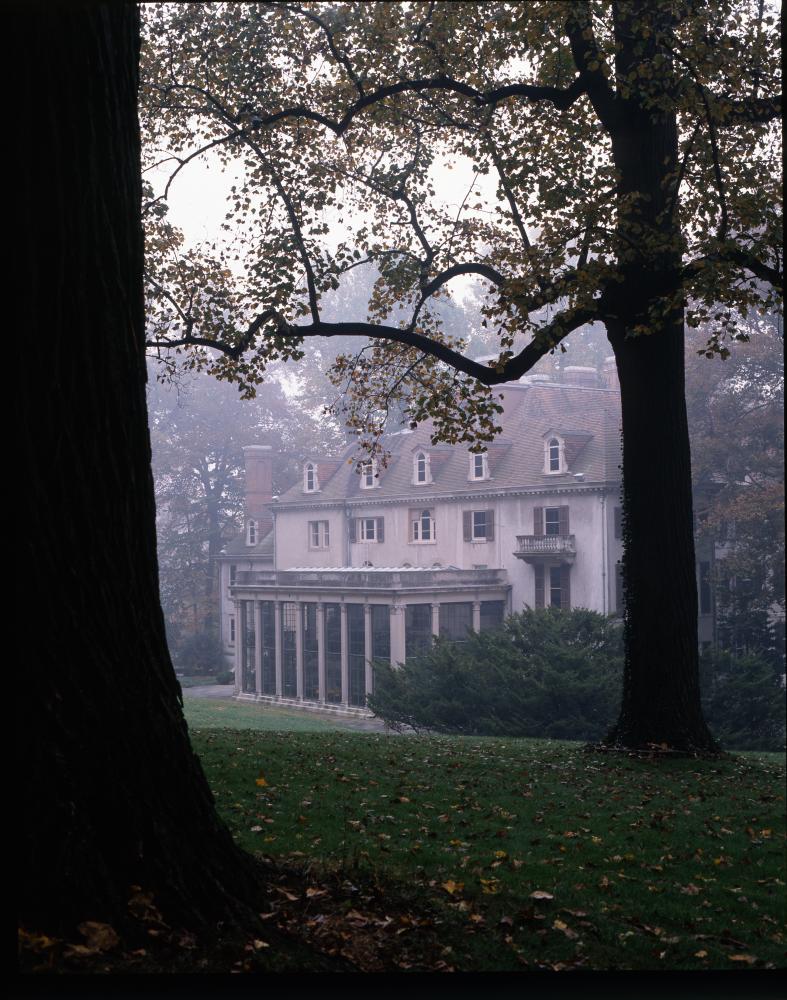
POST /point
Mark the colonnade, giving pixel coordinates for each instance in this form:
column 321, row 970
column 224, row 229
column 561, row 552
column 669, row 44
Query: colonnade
column 397, row 646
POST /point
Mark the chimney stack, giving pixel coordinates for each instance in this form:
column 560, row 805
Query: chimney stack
column 259, row 486
column 609, row 373
column 580, row 375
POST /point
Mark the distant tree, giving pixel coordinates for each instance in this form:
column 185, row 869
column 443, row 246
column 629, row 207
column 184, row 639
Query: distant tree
column 736, row 415
column 198, row 430
column 634, row 152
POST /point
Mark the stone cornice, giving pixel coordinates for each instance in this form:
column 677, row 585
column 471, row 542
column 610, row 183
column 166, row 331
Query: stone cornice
column 549, row 489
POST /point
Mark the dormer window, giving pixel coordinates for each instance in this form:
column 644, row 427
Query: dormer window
column 310, row 483
column 479, row 466
column 554, row 458
column 369, row 475
column 251, row 532
column 421, row 472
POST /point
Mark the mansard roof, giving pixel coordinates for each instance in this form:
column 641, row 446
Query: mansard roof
column 238, row 548
column 588, row 416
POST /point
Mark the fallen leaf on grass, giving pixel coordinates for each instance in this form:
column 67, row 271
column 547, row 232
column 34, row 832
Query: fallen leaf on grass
column 748, row 959
column 451, row 887
column 559, row 925
column 98, row 936
column 540, row 894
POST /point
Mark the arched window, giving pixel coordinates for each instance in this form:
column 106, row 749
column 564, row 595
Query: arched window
column 251, row 532
column 553, row 455
column 421, row 467
column 310, row 484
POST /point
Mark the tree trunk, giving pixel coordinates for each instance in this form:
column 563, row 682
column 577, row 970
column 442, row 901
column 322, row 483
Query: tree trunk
column 113, row 795
column 661, row 695
column 645, row 318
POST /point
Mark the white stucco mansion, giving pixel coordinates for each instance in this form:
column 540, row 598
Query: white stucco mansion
column 344, row 568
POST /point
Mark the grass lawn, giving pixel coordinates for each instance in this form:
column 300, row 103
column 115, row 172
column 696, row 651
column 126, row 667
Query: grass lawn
column 522, row 854
column 205, row 713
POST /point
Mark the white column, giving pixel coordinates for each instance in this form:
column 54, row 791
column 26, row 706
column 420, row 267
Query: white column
column 277, row 630
column 299, row 651
column 321, row 652
column 345, row 662
column 257, row 648
column 476, row 616
column 238, row 645
column 398, row 646
column 367, row 648
column 435, row 620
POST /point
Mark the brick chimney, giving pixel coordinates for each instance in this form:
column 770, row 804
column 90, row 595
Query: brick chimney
column 609, row 373
column 259, row 486
column 580, row 375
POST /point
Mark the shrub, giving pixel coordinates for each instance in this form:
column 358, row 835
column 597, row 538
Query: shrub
column 743, row 701
column 547, row 673
column 557, row 674
column 200, row 653
column 225, row 677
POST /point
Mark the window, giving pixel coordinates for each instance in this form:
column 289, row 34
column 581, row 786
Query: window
column 554, row 455
column 456, row 620
column 618, row 516
column 251, row 532
column 319, row 535
column 479, row 468
column 232, row 630
column 553, row 586
column 369, row 475
column 368, row 526
column 233, row 574
column 422, row 526
column 550, row 521
column 421, row 468
column 310, row 483
column 479, row 525
column 367, row 529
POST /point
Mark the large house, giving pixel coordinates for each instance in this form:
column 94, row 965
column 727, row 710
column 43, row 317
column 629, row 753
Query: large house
column 348, row 566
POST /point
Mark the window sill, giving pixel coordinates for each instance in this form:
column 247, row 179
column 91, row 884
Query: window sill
column 417, row 541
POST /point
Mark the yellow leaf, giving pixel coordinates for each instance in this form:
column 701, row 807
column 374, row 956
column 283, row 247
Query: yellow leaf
column 700, row 954
column 748, row 959
column 451, row 887
column 261, row 782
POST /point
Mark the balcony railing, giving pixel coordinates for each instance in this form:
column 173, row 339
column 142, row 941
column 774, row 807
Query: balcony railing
column 373, row 579
column 537, row 548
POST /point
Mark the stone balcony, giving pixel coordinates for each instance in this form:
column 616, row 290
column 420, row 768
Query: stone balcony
column 546, row 548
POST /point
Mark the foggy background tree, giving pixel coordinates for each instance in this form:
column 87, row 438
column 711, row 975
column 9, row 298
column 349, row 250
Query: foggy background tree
column 631, row 151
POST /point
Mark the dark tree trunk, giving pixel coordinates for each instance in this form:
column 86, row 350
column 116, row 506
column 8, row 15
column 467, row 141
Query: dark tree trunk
column 661, row 694
column 113, row 795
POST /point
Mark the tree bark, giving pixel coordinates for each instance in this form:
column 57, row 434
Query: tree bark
column 661, row 693
column 112, row 793
column 645, row 324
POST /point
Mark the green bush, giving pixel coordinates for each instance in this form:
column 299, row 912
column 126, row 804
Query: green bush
column 547, row 673
column 225, row 677
column 557, row 675
column 201, row 653
column 743, row 701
